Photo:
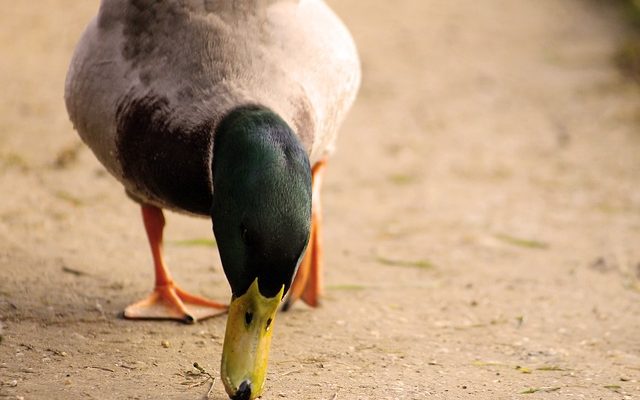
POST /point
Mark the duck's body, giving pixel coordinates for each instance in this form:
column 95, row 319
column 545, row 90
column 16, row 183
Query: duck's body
column 150, row 81
column 227, row 109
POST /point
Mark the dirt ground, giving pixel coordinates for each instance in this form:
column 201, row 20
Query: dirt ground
column 482, row 221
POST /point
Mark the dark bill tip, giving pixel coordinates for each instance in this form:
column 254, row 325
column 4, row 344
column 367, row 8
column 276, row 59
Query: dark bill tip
column 244, row 391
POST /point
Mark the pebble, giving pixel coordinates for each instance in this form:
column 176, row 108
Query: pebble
column 165, row 344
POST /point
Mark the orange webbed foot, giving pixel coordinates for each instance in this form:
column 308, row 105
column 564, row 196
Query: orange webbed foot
column 170, row 302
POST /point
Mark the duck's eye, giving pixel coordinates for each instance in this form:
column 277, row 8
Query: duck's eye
column 244, row 233
column 248, row 317
column 269, row 323
column 248, row 236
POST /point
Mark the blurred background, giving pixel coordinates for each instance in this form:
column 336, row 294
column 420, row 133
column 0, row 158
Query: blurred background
column 482, row 218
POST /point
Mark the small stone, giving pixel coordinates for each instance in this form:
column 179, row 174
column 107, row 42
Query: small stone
column 165, row 344
column 12, row 383
column 282, row 395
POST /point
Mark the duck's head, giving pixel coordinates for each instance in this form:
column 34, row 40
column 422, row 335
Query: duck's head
column 261, row 217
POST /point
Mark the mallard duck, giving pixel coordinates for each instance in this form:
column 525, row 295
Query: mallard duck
column 226, row 109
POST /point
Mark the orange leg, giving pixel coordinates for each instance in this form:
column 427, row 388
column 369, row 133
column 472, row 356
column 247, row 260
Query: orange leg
column 168, row 301
column 307, row 284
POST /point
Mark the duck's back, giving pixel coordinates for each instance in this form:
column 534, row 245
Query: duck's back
column 150, row 80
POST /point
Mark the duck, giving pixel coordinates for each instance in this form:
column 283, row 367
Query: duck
column 228, row 110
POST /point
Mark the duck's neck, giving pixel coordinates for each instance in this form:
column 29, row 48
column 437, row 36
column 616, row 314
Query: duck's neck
column 261, row 199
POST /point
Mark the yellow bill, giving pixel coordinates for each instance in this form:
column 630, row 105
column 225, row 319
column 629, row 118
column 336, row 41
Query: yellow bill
column 247, row 341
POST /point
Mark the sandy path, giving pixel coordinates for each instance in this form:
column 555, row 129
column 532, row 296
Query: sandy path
column 482, row 221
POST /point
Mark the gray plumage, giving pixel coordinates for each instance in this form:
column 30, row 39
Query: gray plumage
column 150, row 80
